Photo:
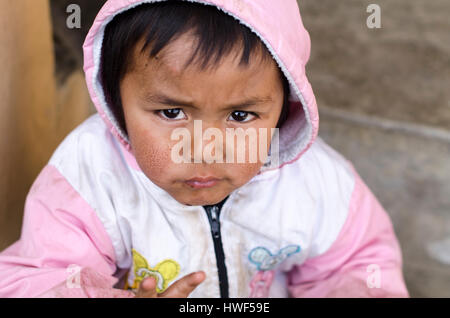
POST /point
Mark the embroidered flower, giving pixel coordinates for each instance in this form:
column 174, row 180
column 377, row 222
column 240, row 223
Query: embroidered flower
column 164, row 271
column 265, row 260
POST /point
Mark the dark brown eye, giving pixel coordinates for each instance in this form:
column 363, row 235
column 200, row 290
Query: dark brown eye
column 241, row 116
column 172, row 113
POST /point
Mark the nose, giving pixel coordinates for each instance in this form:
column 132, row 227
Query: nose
column 207, row 143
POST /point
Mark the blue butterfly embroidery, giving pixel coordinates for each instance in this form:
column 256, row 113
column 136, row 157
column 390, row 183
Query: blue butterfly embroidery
column 265, row 261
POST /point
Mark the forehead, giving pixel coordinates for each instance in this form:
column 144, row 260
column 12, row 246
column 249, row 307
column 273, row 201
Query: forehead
column 172, row 63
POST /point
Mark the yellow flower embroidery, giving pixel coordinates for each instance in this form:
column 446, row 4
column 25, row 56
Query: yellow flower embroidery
column 164, row 272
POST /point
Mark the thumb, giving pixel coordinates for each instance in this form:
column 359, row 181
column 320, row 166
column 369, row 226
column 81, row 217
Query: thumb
column 147, row 288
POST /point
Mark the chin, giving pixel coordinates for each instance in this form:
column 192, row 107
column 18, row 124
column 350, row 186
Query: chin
column 204, row 198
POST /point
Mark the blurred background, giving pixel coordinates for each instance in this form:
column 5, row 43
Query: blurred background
column 383, row 97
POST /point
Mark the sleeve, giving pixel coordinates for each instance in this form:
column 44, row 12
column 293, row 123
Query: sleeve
column 364, row 261
column 63, row 251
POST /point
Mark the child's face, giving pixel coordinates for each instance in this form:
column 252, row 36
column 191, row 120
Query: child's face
column 145, row 92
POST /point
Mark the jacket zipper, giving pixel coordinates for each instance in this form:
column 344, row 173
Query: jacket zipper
column 213, row 213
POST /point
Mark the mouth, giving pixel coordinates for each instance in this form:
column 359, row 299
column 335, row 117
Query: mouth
column 201, row 183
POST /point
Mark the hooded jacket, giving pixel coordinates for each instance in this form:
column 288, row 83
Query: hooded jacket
column 304, row 226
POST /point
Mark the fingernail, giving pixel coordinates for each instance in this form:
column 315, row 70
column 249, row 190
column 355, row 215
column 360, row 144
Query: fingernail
column 148, row 279
column 200, row 275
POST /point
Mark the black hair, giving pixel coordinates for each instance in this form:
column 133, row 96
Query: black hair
column 160, row 23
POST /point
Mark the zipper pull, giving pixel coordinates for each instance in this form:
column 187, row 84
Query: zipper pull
column 215, row 224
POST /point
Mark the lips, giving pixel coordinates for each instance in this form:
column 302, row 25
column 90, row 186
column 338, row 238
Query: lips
column 199, row 182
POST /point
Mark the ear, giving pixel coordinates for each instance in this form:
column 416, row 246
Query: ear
column 139, row 260
column 289, row 250
column 258, row 254
column 169, row 269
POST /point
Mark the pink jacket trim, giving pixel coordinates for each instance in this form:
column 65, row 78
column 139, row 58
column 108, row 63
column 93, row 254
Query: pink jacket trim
column 60, row 231
column 364, row 261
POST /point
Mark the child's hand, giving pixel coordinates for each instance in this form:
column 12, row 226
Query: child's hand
column 180, row 289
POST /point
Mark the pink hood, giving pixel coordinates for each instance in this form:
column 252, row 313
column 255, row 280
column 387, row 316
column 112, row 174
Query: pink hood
column 277, row 23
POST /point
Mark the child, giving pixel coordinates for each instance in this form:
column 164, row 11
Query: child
column 116, row 213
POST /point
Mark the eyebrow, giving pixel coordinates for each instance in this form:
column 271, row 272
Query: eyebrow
column 169, row 101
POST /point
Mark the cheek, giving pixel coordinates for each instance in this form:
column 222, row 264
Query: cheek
column 152, row 155
column 250, row 170
column 242, row 173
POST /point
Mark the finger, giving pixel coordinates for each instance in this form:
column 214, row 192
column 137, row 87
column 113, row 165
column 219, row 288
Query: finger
column 184, row 286
column 147, row 288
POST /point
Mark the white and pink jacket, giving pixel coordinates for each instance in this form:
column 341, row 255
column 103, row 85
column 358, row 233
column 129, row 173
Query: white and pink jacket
column 307, row 226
